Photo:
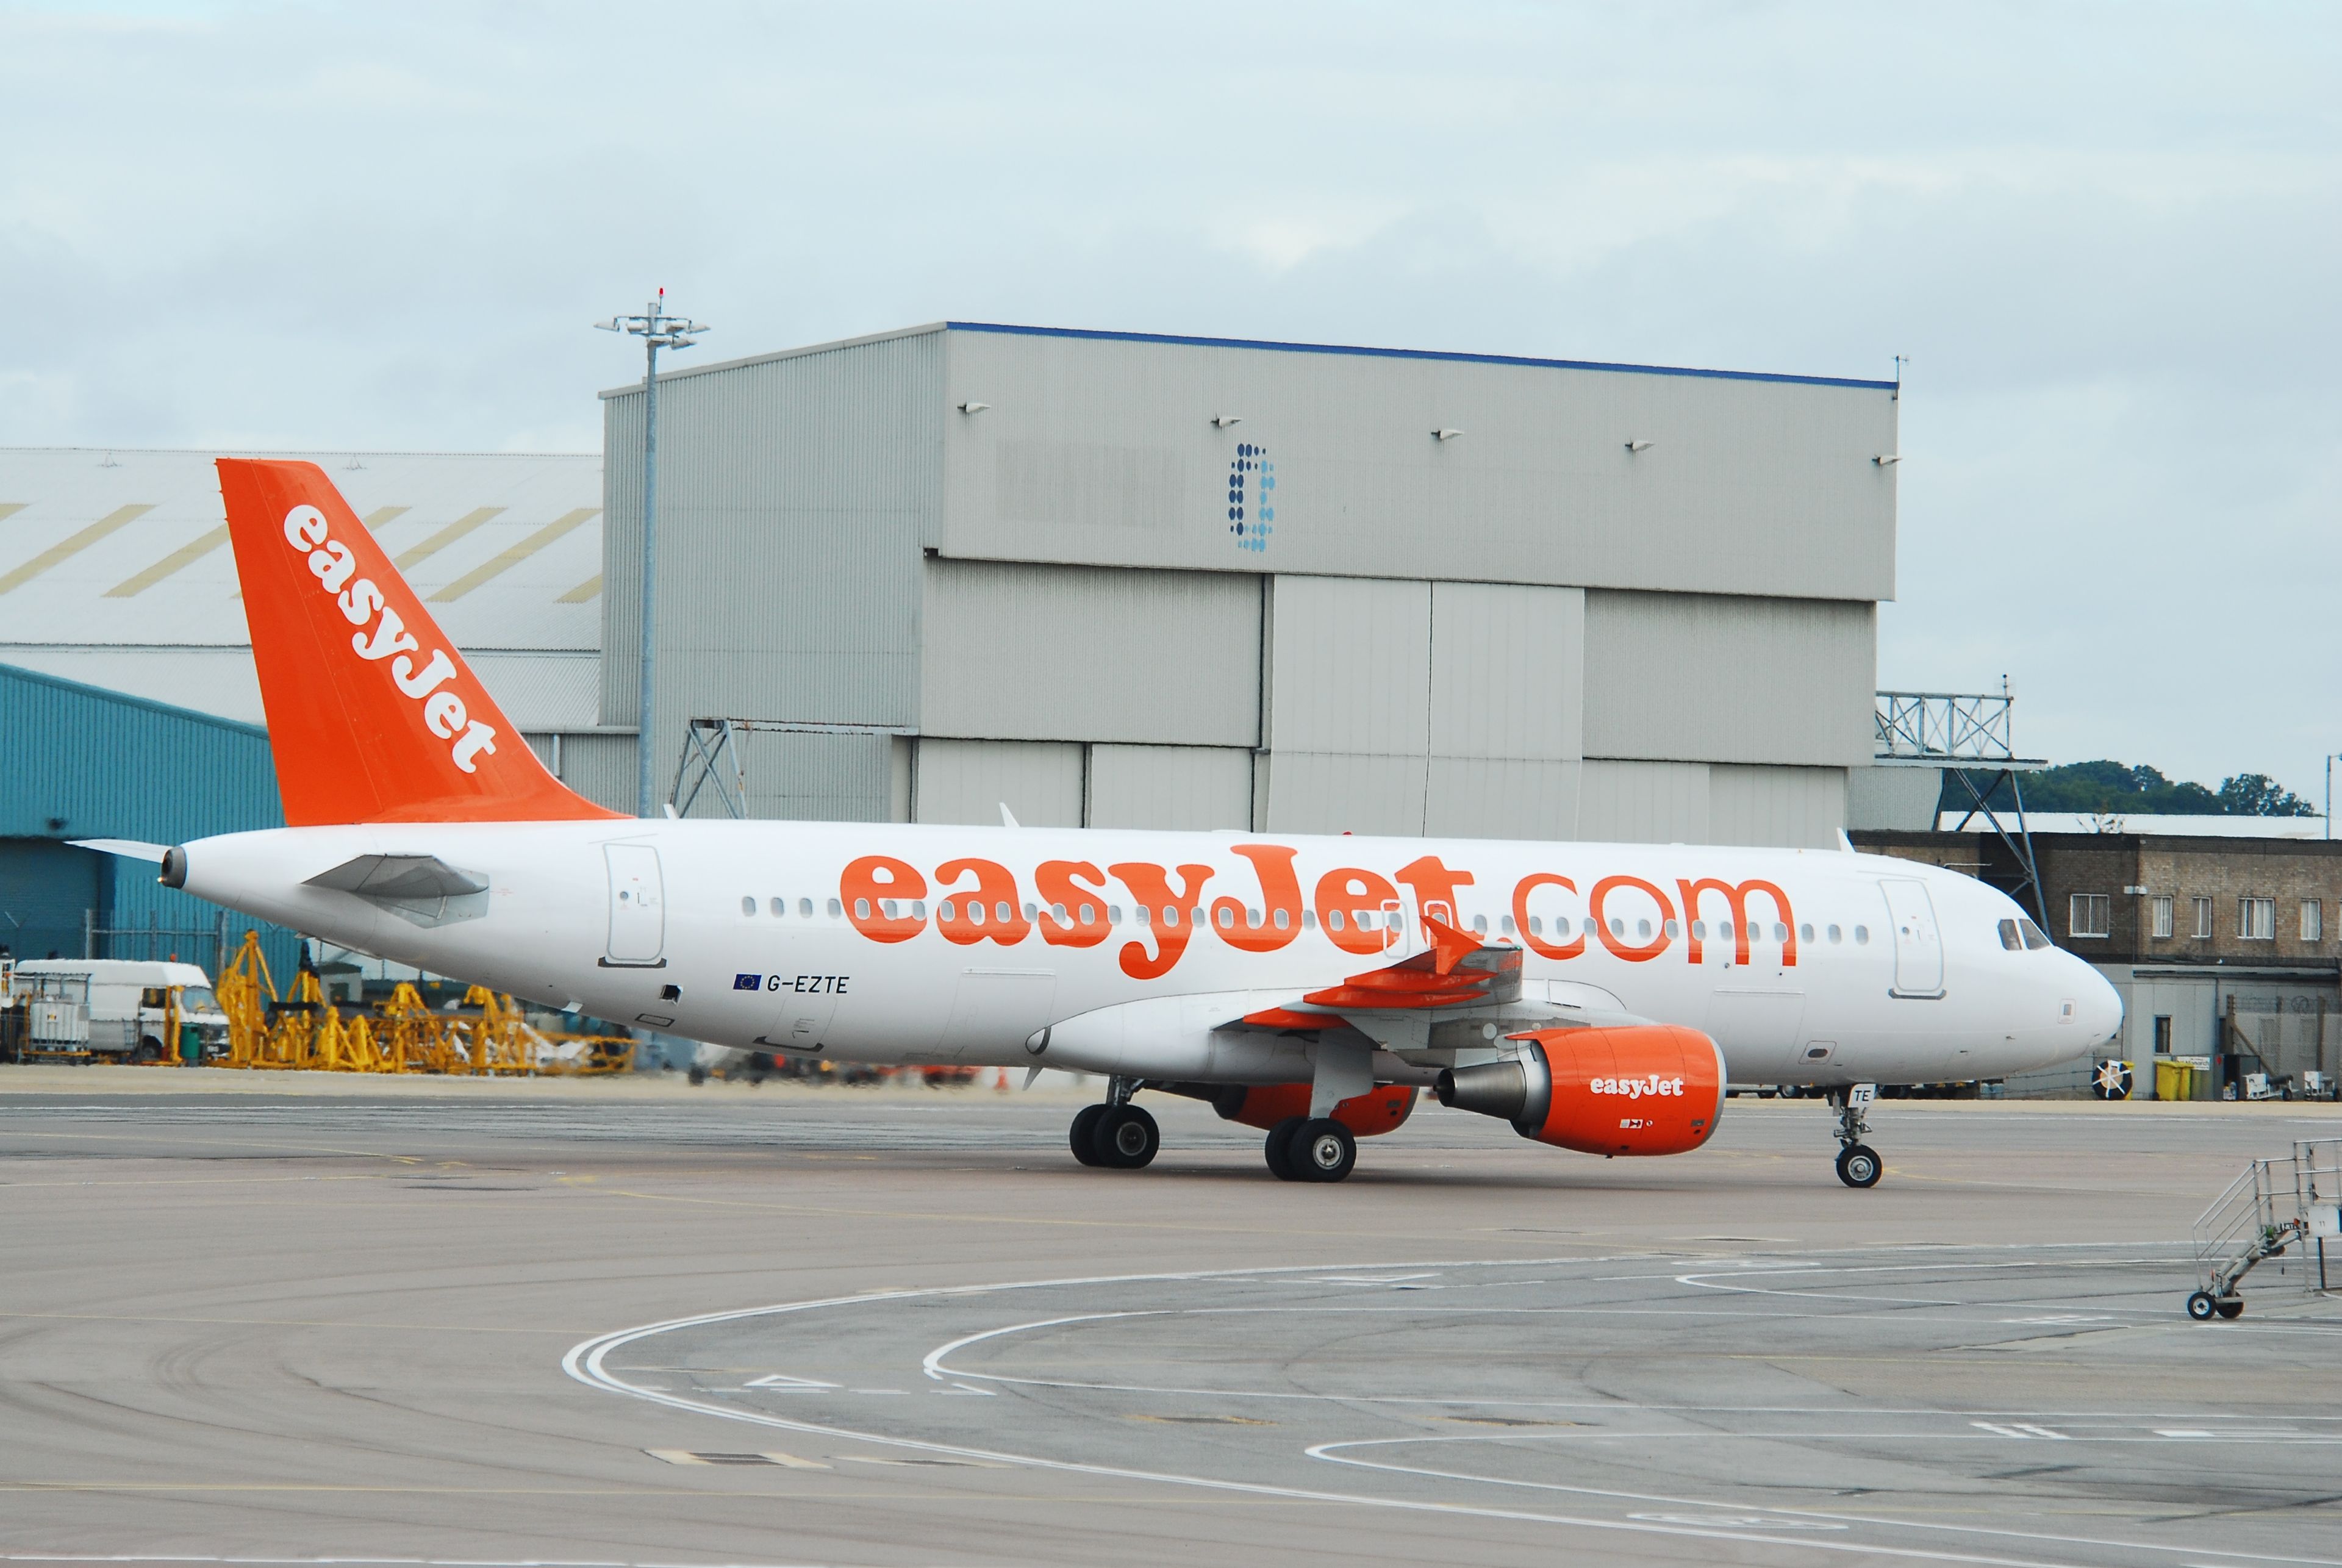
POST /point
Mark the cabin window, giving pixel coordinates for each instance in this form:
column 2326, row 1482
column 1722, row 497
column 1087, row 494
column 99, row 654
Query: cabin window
column 836, row 909
column 889, row 908
column 805, row 908
column 1114, row 915
column 1170, row 914
column 747, row 907
column 861, row 909
column 1031, row 914
column 781, row 908
column 1862, row 936
column 918, row 909
column 1284, row 920
column 1699, row 931
column 1089, row 915
column 1835, row 935
column 1505, row 926
column 1671, row 928
column 1336, row 920
column 1642, row 931
column 1007, row 912
column 946, row 912
column 2009, row 937
column 2034, row 937
column 1480, row 925
column 1805, row 933
column 1057, row 914
column 1309, row 920
column 1780, row 932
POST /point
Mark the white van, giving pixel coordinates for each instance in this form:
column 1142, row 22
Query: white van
column 115, row 1006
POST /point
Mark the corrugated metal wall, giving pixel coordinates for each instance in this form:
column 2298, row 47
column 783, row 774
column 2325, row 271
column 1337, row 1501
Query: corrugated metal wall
column 1644, row 802
column 969, row 781
column 1191, row 788
column 795, row 495
column 82, row 763
column 1052, row 652
column 1687, row 677
column 1775, row 805
column 1750, row 486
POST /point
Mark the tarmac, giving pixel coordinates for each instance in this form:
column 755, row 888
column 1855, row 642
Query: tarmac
column 292, row 1318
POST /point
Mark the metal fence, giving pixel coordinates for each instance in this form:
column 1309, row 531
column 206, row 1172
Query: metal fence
column 207, row 945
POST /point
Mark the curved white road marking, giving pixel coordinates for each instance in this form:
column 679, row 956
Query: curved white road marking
column 586, row 1363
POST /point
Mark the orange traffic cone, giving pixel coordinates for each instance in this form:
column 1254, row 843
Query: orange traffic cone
column 1003, row 1084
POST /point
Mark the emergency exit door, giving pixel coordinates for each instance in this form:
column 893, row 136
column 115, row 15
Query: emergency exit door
column 638, row 907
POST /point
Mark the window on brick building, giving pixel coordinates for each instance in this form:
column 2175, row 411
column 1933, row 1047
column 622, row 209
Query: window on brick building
column 2159, row 908
column 2203, row 919
column 2312, row 920
column 2256, row 920
column 2091, row 915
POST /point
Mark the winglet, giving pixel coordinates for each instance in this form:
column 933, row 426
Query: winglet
column 1449, row 946
column 373, row 715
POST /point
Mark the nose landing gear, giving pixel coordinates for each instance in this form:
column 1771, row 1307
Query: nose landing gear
column 1858, row 1165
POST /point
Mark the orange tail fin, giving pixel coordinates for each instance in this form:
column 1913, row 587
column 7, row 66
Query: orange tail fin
column 373, row 714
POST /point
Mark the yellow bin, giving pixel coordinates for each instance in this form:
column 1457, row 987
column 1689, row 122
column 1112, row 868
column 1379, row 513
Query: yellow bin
column 2174, row 1081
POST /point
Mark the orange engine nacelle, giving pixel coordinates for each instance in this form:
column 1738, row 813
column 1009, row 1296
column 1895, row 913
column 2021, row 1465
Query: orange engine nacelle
column 1379, row 1110
column 1644, row 1089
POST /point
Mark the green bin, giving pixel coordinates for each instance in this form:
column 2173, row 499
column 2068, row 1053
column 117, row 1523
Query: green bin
column 191, row 1043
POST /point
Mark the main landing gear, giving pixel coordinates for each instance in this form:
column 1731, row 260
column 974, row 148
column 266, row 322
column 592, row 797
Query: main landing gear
column 1310, row 1149
column 1117, row 1135
column 1858, row 1165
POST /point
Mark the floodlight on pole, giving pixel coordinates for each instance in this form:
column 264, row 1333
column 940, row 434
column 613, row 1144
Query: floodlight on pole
column 657, row 330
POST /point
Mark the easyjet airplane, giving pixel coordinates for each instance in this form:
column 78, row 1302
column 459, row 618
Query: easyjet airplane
column 1596, row 996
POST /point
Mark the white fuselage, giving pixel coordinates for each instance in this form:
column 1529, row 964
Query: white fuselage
column 1876, row 970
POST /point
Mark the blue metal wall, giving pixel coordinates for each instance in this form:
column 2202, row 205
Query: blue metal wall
column 79, row 762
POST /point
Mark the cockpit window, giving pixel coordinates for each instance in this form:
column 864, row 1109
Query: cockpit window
column 2009, row 938
column 2034, row 937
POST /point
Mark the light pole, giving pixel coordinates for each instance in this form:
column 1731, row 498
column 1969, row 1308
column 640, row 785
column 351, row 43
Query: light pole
column 657, row 330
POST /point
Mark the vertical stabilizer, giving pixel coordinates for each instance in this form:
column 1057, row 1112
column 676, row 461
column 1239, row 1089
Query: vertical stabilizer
column 373, row 714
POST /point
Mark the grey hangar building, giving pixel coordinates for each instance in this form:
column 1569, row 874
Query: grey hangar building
column 1113, row 579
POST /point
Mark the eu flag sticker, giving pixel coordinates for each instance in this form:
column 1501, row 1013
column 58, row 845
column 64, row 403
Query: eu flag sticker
column 748, row 983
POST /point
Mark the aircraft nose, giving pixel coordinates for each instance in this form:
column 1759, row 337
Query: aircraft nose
column 2099, row 1005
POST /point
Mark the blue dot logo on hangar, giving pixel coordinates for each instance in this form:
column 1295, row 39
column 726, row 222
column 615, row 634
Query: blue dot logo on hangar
column 1251, row 496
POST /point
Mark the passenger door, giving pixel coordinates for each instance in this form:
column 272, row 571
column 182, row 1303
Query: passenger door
column 1918, row 946
column 637, row 908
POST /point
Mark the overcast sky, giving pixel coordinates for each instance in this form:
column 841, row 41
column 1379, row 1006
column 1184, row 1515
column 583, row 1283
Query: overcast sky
column 2107, row 236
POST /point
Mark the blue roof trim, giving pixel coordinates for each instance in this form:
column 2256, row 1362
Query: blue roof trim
column 125, row 700
column 1412, row 353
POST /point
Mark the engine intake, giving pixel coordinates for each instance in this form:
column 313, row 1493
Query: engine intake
column 1643, row 1089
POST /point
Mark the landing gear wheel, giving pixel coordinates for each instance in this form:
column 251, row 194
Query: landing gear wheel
column 1083, row 1135
column 1858, row 1165
column 2201, row 1306
column 1278, row 1148
column 1125, row 1138
column 1322, row 1150
column 2229, row 1307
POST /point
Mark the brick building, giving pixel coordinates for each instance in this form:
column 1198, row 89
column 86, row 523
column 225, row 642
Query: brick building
column 2226, row 950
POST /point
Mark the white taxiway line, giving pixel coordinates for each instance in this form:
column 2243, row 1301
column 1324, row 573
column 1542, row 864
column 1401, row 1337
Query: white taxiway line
column 585, row 1362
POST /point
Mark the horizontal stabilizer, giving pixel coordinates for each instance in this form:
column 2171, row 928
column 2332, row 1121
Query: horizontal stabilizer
column 128, row 848
column 421, row 888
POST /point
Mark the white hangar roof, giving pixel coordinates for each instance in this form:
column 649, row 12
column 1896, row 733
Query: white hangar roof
column 114, row 569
